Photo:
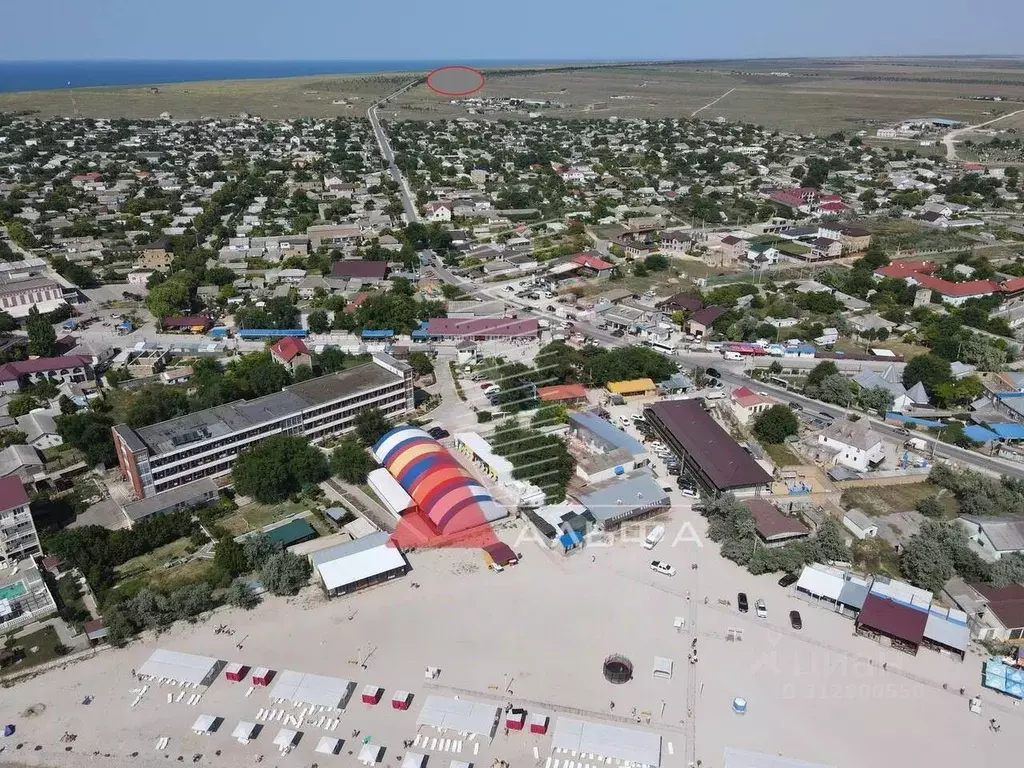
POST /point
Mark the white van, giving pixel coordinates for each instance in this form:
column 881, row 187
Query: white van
column 715, row 394
column 654, row 537
column 732, row 355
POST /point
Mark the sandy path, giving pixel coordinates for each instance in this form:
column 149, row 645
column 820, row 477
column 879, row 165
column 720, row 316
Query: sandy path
column 542, row 630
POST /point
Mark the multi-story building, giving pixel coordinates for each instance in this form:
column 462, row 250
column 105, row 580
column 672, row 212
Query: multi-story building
column 163, row 456
column 18, row 537
column 17, row 297
column 58, row 370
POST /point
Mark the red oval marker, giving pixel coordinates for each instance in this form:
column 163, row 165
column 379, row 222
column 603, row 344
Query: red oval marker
column 455, row 80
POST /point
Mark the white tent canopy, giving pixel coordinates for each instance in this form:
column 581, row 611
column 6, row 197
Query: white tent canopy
column 742, row 758
column 204, row 724
column 663, row 667
column 285, row 737
column 641, row 747
column 181, row 667
column 460, row 764
column 413, row 760
column 328, row 745
column 459, row 715
column 243, row 731
column 370, row 753
column 322, row 691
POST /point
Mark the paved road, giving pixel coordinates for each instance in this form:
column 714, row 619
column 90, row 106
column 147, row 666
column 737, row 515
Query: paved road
column 734, row 374
column 950, row 138
column 408, row 201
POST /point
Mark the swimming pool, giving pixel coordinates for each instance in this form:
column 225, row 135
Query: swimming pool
column 12, row 591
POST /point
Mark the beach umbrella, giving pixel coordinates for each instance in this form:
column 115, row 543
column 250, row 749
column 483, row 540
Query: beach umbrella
column 739, row 706
column 8, row 730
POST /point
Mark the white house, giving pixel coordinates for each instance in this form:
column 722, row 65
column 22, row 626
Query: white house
column 859, row 524
column 994, row 537
column 439, row 210
column 855, row 445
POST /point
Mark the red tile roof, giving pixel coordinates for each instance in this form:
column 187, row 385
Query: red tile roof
column 747, row 399
column 12, row 493
column 893, row 619
column 287, row 348
column 14, row 371
column 559, row 392
column 901, row 269
column 920, row 273
column 593, row 262
column 353, row 305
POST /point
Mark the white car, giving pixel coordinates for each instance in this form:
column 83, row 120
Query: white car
column 664, row 568
column 761, row 609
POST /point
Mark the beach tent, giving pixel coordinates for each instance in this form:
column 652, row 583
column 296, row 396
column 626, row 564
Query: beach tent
column 235, row 672
column 662, row 668
column 413, row 760
column 370, row 754
column 328, row 745
column 243, row 732
column 286, row 738
column 515, row 719
column 204, row 724
column 401, row 700
column 538, row 723
column 372, row 694
column 261, row 676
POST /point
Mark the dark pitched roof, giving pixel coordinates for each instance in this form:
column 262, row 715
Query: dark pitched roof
column 1007, row 603
column 14, row 371
column 287, row 348
column 893, row 619
column 12, row 493
column 770, row 522
column 682, row 302
column 482, row 326
column 360, row 269
column 720, row 457
column 707, row 316
column 188, row 321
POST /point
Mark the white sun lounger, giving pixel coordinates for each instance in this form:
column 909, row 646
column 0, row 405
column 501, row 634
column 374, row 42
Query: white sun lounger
column 458, row 746
column 249, row 692
column 433, row 743
column 547, row 763
column 536, row 754
column 556, row 764
column 476, row 748
column 447, row 745
column 170, row 698
column 671, row 749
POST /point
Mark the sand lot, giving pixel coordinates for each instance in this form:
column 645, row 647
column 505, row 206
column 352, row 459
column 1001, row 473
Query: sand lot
column 542, row 630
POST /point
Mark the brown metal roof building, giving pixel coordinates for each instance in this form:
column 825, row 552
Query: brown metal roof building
column 774, row 528
column 901, row 624
column 360, row 269
column 708, row 452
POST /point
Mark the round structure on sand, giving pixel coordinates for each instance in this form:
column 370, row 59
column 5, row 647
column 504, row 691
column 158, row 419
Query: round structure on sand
column 618, row 669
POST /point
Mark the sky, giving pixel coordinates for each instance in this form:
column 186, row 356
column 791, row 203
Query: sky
column 464, row 30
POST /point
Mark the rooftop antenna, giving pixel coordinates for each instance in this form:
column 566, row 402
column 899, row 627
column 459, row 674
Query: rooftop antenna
column 71, row 93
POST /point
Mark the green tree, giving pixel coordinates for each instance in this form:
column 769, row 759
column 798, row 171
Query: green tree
column 776, row 424
column 229, row 557
column 330, row 360
column 929, row 369
column 421, row 363
column 285, row 573
column 279, row 466
column 877, row 399
column 318, row 322
column 930, row 506
column 241, row 595
column 168, row 299
column 351, row 461
column 820, row 372
column 7, row 323
column 258, row 548
column 42, row 338
column 10, row 437
column 22, row 405
column 371, row 425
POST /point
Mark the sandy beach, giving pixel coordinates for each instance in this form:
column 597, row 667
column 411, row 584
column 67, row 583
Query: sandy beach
column 541, row 631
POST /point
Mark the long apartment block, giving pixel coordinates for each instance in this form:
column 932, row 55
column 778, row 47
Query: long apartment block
column 163, row 456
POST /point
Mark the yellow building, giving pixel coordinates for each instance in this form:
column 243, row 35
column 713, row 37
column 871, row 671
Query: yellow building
column 634, row 388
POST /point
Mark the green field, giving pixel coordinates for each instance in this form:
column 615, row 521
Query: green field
column 47, row 647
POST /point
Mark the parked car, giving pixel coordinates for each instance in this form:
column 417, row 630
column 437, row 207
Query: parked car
column 618, row 333
column 438, row 433
column 761, row 609
column 795, row 405
column 663, row 568
column 788, row 580
column 713, row 373
column 690, row 491
column 795, row 621
column 741, row 602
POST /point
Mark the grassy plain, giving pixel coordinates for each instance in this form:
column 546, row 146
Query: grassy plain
column 881, row 500
column 816, row 95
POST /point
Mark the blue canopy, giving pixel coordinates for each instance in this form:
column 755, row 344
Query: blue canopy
column 570, row 539
column 980, row 434
column 378, row 334
column 270, row 333
column 1008, row 431
column 914, row 420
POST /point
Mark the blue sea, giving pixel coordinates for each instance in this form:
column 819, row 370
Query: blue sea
column 48, row 75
